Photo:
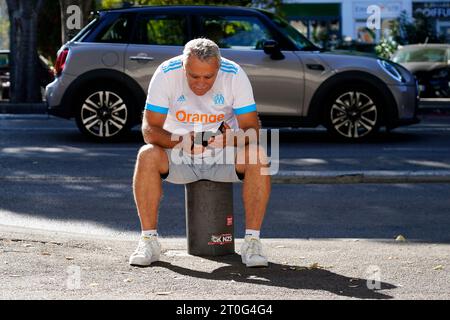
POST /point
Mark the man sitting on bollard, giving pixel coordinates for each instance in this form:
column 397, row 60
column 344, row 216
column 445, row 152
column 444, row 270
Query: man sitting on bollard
column 191, row 97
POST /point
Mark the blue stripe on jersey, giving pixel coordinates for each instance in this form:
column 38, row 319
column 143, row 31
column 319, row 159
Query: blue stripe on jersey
column 226, row 65
column 172, row 68
column 158, row 109
column 244, row 110
column 228, row 70
column 173, row 65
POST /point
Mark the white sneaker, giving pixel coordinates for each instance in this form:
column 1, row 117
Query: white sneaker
column 251, row 253
column 148, row 251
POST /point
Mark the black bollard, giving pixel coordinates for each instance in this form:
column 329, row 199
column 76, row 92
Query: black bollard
column 209, row 218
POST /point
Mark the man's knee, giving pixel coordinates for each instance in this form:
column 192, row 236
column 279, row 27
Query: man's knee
column 151, row 154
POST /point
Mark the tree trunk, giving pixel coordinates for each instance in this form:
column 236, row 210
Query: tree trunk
column 85, row 5
column 25, row 84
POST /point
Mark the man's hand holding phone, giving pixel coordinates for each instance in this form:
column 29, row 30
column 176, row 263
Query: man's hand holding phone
column 197, row 142
column 220, row 140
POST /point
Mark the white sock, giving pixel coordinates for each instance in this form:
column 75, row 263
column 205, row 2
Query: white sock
column 252, row 233
column 149, row 233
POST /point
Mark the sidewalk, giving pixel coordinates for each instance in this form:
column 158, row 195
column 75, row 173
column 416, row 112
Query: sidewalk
column 36, row 264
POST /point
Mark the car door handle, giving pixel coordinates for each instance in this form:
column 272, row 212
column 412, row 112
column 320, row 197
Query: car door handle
column 317, row 67
column 141, row 58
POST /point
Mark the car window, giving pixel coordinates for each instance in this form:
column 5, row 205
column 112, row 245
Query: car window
column 243, row 33
column 289, row 31
column 421, row 55
column 117, row 32
column 167, row 30
column 4, row 60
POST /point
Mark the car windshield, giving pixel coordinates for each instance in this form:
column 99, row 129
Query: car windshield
column 295, row 36
column 421, row 55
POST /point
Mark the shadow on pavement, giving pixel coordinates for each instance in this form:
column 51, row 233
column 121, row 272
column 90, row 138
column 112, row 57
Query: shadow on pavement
column 285, row 276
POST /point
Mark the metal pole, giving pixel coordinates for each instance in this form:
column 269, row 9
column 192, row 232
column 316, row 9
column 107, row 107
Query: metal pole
column 209, row 218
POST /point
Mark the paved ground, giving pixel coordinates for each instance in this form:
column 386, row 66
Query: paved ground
column 48, row 265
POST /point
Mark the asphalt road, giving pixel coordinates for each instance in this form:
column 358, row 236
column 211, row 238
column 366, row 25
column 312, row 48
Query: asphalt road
column 53, row 178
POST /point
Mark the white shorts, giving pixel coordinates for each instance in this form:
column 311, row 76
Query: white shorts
column 184, row 169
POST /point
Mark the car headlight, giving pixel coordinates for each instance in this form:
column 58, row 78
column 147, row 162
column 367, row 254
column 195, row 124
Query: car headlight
column 391, row 69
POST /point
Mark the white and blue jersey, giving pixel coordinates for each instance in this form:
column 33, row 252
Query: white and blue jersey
column 169, row 93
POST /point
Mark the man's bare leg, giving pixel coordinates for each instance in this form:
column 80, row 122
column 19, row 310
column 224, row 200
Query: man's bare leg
column 152, row 161
column 255, row 194
column 257, row 187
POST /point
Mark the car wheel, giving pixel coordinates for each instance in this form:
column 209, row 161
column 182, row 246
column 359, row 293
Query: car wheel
column 353, row 113
column 104, row 113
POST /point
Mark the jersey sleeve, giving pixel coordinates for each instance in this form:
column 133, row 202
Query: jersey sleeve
column 158, row 95
column 244, row 102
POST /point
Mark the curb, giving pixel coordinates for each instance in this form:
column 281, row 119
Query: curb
column 283, row 177
column 23, row 108
column 355, row 177
column 426, row 103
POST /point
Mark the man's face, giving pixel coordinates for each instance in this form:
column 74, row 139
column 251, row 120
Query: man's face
column 201, row 75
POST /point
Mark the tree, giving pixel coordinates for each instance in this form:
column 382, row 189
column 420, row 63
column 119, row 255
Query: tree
column 418, row 30
column 23, row 17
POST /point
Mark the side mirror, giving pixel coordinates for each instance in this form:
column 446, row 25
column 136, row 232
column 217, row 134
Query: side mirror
column 272, row 48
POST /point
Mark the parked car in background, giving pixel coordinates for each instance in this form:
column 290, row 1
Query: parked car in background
column 102, row 75
column 46, row 74
column 430, row 64
column 4, row 75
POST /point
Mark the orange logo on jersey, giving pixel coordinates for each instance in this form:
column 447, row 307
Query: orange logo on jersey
column 183, row 116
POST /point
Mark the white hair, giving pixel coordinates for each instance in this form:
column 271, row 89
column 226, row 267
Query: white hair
column 202, row 48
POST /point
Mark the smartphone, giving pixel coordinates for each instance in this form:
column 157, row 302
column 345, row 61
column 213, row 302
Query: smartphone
column 221, row 128
column 207, row 135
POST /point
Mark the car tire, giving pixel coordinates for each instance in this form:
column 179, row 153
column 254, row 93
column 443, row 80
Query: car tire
column 104, row 112
column 353, row 113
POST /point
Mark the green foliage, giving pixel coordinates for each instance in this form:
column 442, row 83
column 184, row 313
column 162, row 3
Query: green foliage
column 4, row 34
column 106, row 4
column 386, row 48
column 163, row 32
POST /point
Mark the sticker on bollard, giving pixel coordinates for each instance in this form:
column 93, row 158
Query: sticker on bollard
column 221, row 240
column 209, row 218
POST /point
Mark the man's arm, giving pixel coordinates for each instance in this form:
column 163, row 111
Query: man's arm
column 248, row 122
column 153, row 132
